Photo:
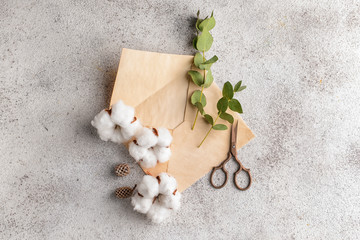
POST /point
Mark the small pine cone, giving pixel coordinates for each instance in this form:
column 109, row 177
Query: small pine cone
column 124, row 192
column 122, row 170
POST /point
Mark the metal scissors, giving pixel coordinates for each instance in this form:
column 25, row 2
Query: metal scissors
column 232, row 153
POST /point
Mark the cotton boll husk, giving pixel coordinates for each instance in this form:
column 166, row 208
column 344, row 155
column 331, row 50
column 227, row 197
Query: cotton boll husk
column 165, row 138
column 128, row 131
column 122, row 114
column 117, row 136
column 162, row 154
column 136, row 151
column 167, row 184
column 171, row 201
column 149, row 160
column 141, row 204
column 158, row 213
column 145, row 137
column 149, row 187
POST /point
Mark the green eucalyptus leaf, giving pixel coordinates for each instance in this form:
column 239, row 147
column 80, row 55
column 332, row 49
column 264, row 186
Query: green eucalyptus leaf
column 209, row 119
column 227, row 117
column 228, row 91
column 204, row 42
column 195, row 42
column 198, row 22
column 196, row 77
column 242, row 88
column 199, row 106
column 198, row 59
column 222, row 105
column 237, row 86
column 220, row 127
column 235, row 105
column 207, row 64
column 208, row 79
column 207, row 24
column 212, row 60
column 195, row 97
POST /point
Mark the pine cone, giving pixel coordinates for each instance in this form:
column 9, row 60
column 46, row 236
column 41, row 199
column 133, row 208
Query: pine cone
column 122, row 170
column 124, row 192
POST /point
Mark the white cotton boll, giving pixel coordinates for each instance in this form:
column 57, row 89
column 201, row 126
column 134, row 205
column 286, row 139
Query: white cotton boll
column 117, row 137
column 145, row 137
column 165, row 138
column 122, row 114
column 149, row 187
column 158, row 213
column 149, row 160
column 167, row 184
column 128, row 131
column 102, row 120
column 171, row 201
column 136, row 151
column 162, row 154
column 141, row 204
column 104, row 125
column 106, row 133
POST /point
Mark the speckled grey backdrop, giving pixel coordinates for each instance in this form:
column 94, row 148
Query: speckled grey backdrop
column 299, row 59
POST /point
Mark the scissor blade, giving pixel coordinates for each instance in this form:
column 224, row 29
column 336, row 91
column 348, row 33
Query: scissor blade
column 234, row 128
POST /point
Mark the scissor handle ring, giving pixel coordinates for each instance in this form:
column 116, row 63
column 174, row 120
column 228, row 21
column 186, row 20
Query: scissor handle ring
column 249, row 177
column 212, row 174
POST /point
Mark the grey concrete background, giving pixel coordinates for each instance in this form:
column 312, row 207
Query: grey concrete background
column 299, row 59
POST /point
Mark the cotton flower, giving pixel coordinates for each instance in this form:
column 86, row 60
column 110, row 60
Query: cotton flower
column 162, row 153
column 165, row 138
column 136, row 151
column 122, row 114
column 170, row 201
column 104, row 125
column 141, row 204
column 167, row 184
column 149, row 187
column 157, row 205
column 105, row 134
column 149, row 160
column 158, row 213
column 129, row 130
column 117, row 136
column 103, row 120
column 146, row 137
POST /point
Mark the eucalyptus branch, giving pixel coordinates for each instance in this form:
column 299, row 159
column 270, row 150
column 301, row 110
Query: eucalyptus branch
column 227, row 101
column 202, row 43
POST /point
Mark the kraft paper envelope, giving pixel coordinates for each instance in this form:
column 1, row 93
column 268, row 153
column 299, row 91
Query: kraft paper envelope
column 158, row 87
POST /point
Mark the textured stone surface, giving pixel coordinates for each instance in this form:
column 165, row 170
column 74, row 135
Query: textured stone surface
column 299, row 59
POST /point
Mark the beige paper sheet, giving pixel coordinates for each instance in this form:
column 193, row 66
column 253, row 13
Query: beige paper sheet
column 158, row 86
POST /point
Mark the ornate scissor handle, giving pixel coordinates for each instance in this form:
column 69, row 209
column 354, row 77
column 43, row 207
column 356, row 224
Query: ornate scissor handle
column 212, row 174
column 222, row 167
column 241, row 168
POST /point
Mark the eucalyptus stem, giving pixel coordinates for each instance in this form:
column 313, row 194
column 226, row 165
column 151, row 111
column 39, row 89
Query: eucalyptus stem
column 204, row 59
column 197, row 114
column 202, row 90
column 202, row 43
column 207, row 134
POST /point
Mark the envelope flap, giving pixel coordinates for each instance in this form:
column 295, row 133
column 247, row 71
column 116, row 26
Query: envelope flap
column 141, row 74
